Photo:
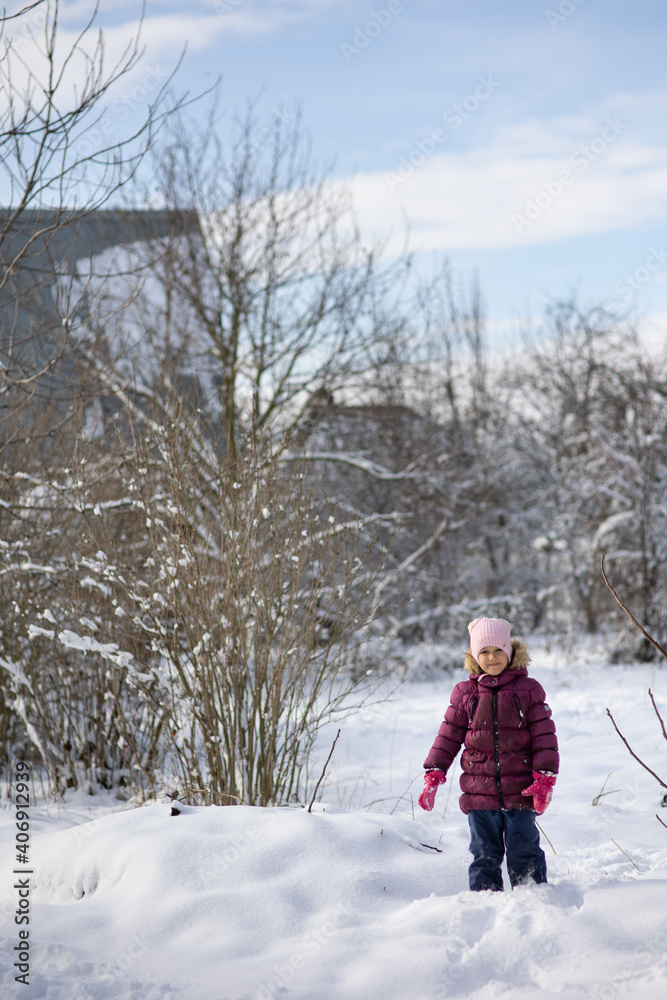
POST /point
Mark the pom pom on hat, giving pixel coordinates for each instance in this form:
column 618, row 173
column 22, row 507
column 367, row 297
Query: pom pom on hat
column 490, row 632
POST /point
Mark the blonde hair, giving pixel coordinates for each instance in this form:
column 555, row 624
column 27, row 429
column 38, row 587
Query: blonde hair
column 472, row 666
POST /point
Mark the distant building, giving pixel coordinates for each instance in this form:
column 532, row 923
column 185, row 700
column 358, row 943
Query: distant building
column 39, row 249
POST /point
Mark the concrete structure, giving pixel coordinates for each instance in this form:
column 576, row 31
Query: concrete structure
column 37, row 248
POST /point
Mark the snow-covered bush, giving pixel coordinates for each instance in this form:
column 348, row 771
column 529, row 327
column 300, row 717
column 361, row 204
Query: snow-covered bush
column 213, row 617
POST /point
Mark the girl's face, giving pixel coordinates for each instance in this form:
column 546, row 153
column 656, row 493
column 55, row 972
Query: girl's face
column 493, row 660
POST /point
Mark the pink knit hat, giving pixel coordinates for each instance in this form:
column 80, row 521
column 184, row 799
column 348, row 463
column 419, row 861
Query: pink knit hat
column 490, row 632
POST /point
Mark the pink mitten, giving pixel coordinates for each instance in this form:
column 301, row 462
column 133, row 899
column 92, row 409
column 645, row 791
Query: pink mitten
column 431, row 781
column 541, row 790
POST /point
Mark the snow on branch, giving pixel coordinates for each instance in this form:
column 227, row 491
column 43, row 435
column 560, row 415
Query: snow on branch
column 86, row 644
column 365, row 465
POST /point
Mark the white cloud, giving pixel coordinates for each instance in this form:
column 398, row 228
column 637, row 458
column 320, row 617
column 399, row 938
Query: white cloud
column 161, row 39
column 206, row 20
column 536, row 183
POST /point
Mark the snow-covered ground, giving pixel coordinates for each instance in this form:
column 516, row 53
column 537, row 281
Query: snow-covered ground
column 366, row 897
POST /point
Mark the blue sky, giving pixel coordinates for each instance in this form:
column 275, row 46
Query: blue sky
column 460, row 116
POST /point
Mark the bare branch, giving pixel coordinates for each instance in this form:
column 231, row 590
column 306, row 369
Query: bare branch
column 24, row 10
column 324, row 771
column 444, row 525
column 624, row 852
column 660, row 719
column 633, row 754
column 629, row 613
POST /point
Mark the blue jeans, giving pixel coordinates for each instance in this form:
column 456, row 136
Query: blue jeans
column 492, row 831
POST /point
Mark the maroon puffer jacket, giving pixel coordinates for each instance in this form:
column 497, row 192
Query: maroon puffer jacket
column 508, row 732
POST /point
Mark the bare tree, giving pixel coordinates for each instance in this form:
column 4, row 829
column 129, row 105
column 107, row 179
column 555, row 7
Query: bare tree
column 62, row 157
column 59, row 150
column 277, row 295
column 588, row 426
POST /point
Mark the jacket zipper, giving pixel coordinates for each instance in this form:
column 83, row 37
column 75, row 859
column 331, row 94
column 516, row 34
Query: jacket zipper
column 496, row 747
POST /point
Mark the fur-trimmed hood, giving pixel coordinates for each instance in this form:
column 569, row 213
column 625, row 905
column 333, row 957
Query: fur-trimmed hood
column 520, row 658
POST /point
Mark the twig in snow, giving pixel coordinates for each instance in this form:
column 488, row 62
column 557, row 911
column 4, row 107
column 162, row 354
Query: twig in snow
column 449, row 792
column 401, row 797
column 324, row 771
column 661, row 821
column 374, row 802
column 601, row 794
column 623, row 852
column 546, row 838
column 417, row 844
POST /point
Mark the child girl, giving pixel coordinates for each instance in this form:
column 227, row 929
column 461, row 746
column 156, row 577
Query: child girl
column 510, row 760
